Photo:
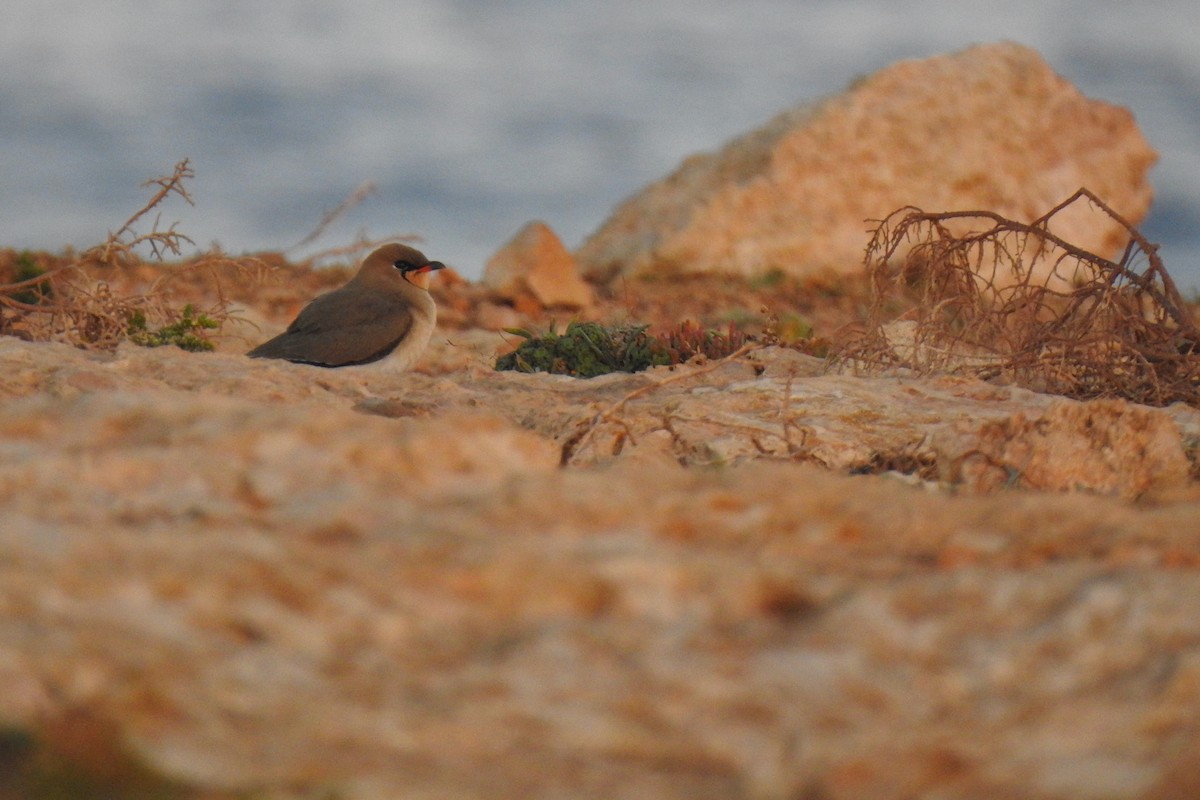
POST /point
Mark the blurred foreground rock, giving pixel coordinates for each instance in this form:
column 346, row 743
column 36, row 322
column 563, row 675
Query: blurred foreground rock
column 272, row 580
column 991, row 127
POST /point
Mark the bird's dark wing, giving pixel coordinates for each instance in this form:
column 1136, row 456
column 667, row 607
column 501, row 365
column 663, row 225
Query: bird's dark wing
column 340, row 329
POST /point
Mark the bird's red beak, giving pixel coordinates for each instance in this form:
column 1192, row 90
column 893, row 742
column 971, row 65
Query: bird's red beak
column 420, row 276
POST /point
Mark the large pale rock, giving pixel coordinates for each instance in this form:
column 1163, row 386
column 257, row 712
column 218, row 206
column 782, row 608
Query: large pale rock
column 992, row 127
column 535, row 261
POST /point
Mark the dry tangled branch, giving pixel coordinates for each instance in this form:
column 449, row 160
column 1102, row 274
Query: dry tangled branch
column 74, row 301
column 1016, row 302
column 126, row 239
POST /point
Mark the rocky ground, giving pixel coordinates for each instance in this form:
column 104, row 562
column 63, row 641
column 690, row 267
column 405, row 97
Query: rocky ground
column 230, row 578
column 770, row 577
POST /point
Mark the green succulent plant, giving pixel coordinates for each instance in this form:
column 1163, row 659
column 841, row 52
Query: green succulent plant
column 185, row 333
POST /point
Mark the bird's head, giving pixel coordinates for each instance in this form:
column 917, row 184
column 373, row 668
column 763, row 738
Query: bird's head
column 396, row 261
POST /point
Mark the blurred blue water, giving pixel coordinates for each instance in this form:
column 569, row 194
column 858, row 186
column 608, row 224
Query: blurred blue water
column 474, row 117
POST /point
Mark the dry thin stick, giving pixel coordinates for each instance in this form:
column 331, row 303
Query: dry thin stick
column 358, row 246
column 579, row 439
column 355, row 198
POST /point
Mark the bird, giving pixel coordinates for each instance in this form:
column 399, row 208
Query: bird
column 381, row 318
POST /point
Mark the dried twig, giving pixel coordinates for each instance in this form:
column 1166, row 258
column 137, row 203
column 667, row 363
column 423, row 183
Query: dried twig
column 361, row 243
column 357, row 248
column 581, row 437
column 160, row 241
column 355, row 198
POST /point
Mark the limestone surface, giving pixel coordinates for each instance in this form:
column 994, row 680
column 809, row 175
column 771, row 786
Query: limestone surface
column 267, row 579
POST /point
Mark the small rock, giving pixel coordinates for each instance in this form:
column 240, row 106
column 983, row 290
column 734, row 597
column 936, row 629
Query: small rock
column 536, row 262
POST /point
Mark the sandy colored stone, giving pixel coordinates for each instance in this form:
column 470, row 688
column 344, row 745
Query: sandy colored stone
column 992, row 127
column 535, row 261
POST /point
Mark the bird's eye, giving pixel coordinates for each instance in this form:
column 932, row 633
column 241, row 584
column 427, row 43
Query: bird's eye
column 404, row 266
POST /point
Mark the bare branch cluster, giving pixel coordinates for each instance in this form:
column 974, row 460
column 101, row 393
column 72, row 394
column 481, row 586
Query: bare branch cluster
column 75, row 301
column 1017, row 303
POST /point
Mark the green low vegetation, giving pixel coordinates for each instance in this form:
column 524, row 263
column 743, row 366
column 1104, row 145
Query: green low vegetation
column 585, row 350
column 588, row 349
column 186, row 333
column 28, row 269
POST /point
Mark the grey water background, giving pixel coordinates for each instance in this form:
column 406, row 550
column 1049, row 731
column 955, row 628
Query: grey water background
column 473, row 117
